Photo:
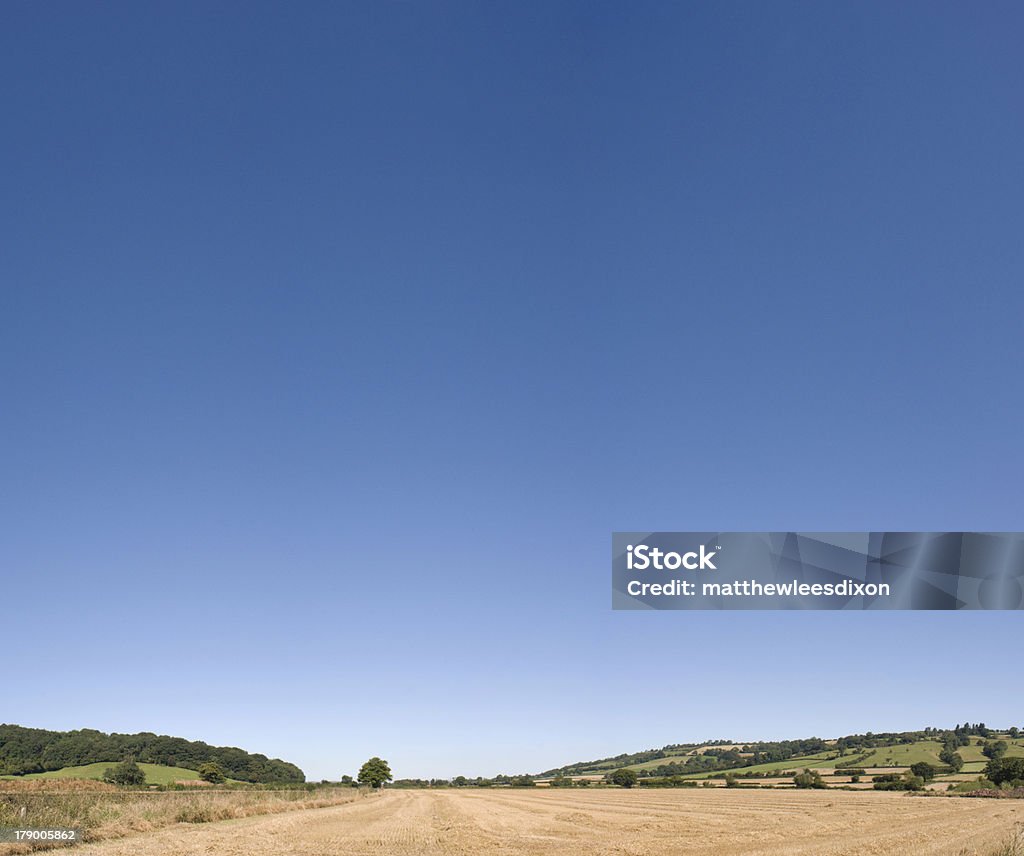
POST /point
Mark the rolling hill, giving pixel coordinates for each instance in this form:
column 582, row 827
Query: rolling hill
column 721, row 757
column 25, row 751
column 156, row 774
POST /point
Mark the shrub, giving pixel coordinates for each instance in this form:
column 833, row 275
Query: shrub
column 125, row 773
column 924, row 770
column 196, row 814
column 808, row 779
column 624, row 778
column 979, row 784
column 951, row 758
column 212, row 772
column 994, row 749
column 1002, row 769
column 896, row 782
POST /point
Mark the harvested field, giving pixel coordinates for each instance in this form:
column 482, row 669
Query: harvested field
column 536, row 823
column 103, row 811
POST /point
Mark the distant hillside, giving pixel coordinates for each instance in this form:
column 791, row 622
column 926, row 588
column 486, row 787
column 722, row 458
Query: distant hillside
column 156, row 774
column 855, row 750
column 34, row 750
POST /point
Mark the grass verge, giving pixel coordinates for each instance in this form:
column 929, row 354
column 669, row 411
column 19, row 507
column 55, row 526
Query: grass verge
column 103, row 811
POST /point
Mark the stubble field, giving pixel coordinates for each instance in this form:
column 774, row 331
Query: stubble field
column 534, row 823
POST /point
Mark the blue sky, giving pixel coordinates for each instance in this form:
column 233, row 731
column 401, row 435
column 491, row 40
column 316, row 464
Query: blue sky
column 336, row 339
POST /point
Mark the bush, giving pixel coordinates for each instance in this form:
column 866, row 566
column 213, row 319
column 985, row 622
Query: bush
column 923, row 770
column 979, row 784
column 212, row 772
column 125, row 773
column 809, row 779
column 994, row 749
column 196, row 814
column 624, row 778
column 895, row 782
column 1001, row 770
column 951, row 758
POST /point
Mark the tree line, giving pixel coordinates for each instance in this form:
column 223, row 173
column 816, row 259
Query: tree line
column 35, row 750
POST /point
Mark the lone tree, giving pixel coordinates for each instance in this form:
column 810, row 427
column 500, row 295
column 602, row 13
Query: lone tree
column 923, row 769
column 125, row 773
column 624, row 778
column 375, row 773
column 211, row 772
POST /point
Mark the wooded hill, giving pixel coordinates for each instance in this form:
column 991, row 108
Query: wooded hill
column 683, row 759
column 34, row 750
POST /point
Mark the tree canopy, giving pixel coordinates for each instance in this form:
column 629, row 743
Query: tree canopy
column 212, row 772
column 125, row 773
column 35, row 750
column 809, row 779
column 923, row 769
column 624, row 778
column 375, row 773
column 1000, row 770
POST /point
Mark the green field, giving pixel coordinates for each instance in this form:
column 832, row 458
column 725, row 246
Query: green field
column 899, row 755
column 821, row 760
column 818, row 760
column 156, row 774
column 903, row 755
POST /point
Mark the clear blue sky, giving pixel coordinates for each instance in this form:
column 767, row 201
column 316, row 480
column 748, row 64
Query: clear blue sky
column 336, row 338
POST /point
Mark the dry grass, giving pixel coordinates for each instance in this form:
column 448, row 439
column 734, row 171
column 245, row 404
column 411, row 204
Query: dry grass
column 103, row 811
column 52, row 786
column 1014, row 846
column 692, row 822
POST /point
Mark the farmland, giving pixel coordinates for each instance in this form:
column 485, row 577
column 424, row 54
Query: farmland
column 895, row 755
column 156, row 774
column 886, row 758
column 744, row 800
column 541, row 822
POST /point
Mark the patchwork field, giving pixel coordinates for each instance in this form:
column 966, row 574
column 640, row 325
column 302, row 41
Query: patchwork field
column 885, row 759
column 536, row 823
column 156, row 774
